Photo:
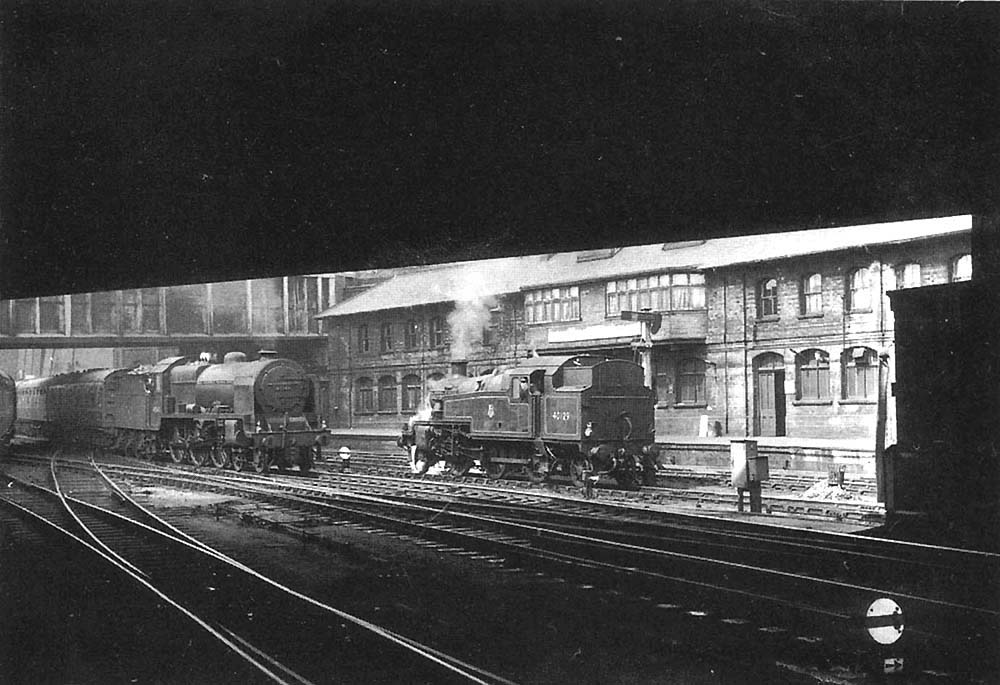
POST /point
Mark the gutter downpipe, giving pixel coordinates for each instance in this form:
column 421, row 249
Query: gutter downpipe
column 746, row 360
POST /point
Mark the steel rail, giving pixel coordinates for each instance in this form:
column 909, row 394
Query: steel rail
column 197, row 620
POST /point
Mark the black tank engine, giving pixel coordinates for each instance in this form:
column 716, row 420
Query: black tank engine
column 572, row 415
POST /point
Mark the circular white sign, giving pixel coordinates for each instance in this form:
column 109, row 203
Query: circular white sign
column 884, row 621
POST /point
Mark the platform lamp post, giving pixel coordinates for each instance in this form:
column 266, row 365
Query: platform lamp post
column 650, row 324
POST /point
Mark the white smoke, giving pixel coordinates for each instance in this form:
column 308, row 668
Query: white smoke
column 471, row 314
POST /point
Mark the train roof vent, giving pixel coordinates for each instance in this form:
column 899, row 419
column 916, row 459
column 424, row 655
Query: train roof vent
column 234, row 357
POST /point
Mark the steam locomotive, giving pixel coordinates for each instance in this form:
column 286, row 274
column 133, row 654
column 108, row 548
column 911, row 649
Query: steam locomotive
column 232, row 415
column 8, row 411
column 578, row 416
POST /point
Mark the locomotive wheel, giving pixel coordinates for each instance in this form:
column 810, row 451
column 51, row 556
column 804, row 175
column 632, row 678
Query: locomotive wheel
column 460, row 467
column 495, row 470
column 200, row 455
column 535, row 472
column 178, row 447
column 220, row 457
column 238, row 459
column 578, row 471
column 305, row 459
column 418, row 461
column 261, row 460
column 628, row 479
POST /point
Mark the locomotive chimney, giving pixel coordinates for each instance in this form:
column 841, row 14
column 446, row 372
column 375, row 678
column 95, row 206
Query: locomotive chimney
column 267, row 354
column 459, row 368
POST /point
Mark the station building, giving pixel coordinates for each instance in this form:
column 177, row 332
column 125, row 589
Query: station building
column 766, row 335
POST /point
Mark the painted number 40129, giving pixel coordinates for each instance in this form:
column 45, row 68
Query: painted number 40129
column 560, row 416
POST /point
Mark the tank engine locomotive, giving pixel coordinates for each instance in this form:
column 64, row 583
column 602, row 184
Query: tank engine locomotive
column 8, row 411
column 571, row 415
column 230, row 414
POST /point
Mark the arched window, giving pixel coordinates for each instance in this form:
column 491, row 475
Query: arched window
column 812, row 377
column 811, row 295
column 767, row 297
column 908, row 276
column 412, row 391
column 859, row 368
column 690, row 382
column 961, row 268
column 366, row 396
column 387, row 394
column 859, row 294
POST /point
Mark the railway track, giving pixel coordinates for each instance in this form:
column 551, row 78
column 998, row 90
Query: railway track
column 265, row 624
column 803, row 577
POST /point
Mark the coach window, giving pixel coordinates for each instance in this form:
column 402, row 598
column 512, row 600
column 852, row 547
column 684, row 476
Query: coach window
column 811, row 295
column 387, row 394
column 859, row 367
column 411, row 392
column 961, row 268
column 366, row 396
column 812, row 381
column 767, row 298
column 859, row 293
column 908, row 276
column 690, row 382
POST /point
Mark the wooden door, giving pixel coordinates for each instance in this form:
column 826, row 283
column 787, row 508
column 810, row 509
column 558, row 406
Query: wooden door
column 769, row 395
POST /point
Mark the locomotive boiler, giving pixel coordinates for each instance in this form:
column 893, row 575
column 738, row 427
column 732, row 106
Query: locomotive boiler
column 233, row 414
column 577, row 416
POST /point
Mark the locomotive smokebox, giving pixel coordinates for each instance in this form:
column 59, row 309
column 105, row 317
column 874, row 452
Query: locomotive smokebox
column 459, row 368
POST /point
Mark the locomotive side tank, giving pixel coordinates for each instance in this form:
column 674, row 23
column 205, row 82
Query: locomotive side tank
column 574, row 415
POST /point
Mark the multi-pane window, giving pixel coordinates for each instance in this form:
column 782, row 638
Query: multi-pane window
column 908, row 276
column 364, row 342
column 813, row 375
column 690, row 382
column 268, row 305
column 860, row 373
column 961, row 268
column 387, row 394
column 411, row 392
column 811, row 295
column 552, row 304
column 150, row 298
column 436, row 332
column 664, row 292
column 51, row 318
column 385, row 337
column 767, row 297
column 411, row 334
column 366, row 396
column 687, row 291
column 859, row 293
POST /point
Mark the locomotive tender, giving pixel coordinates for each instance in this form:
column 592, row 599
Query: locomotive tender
column 575, row 415
column 230, row 414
